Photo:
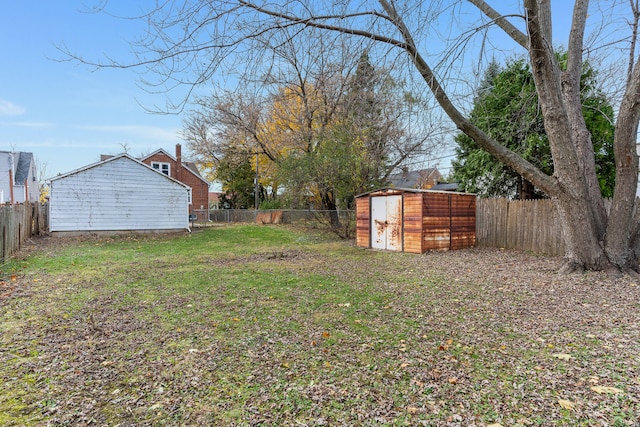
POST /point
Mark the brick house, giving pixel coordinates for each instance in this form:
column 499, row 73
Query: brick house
column 185, row 172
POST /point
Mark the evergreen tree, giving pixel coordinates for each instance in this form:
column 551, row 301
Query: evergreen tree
column 507, row 109
column 237, row 177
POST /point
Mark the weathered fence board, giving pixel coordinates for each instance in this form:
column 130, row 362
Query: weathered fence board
column 530, row 225
column 18, row 223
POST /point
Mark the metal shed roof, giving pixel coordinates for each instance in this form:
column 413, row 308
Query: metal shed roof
column 393, row 190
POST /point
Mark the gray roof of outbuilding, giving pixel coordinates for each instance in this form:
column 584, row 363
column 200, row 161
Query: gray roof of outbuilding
column 446, row 186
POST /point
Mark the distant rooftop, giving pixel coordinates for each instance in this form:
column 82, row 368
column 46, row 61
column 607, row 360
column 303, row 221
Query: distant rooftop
column 423, row 178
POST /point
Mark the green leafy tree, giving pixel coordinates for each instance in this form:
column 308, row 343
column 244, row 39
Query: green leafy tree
column 508, row 110
column 237, row 177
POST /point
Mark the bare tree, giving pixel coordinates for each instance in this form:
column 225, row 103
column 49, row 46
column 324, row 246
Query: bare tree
column 201, row 37
column 300, row 109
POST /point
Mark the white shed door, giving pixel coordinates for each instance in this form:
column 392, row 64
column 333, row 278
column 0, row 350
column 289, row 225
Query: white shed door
column 386, row 222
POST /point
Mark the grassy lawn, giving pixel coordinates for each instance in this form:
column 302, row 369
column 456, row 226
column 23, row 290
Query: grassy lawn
column 262, row 325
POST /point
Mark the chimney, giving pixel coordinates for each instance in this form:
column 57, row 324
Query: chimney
column 179, row 162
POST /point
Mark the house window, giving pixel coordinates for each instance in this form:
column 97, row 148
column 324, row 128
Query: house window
column 189, row 198
column 165, row 168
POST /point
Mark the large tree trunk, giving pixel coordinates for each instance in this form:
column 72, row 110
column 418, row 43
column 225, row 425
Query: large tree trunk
column 591, row 241
column 570, row 81
column 583, row 250
column 566, row 130
column 620, row 237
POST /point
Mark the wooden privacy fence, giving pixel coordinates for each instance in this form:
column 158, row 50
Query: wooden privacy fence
column 530, row 225
column 18, row 223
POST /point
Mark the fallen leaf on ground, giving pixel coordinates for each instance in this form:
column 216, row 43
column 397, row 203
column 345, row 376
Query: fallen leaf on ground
column 417, row 382
column 566, row 404
column 562, row 356
column 605, row 390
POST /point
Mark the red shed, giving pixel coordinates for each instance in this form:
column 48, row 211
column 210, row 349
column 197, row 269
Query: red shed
column 415, row 221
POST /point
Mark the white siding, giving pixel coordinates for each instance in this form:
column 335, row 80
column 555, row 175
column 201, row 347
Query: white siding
column 118, row 194
column 18, row 193
column 33, row 184
column 5, row 166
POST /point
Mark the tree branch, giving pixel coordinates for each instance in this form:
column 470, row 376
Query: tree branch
column 635, row 9
column 517, row 35
column 576, row 39
column 522, row 166
column 312, row 22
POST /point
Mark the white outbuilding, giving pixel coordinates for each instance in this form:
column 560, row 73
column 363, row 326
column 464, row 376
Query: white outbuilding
column 117, row 194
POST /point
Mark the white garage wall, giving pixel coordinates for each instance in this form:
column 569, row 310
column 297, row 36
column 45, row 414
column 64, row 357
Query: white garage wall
column 118, row 194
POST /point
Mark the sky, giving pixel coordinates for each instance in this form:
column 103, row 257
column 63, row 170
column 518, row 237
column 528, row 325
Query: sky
column 66, row 113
